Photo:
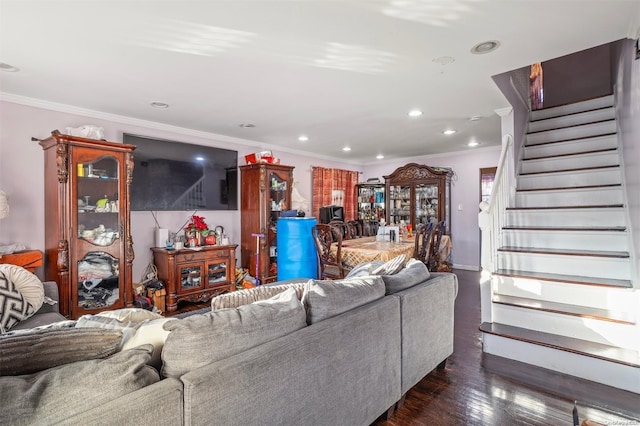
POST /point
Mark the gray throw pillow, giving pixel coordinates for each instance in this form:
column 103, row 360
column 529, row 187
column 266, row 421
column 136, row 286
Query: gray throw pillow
column 364, row 269
column 250, row 295
column 391, row 267
column 203, row 339
column 52, row 396
column 413, row 273
column 50, row 347
column 327, row 298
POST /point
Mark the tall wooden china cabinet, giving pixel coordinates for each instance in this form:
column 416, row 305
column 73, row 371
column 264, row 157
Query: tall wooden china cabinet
column 265, row 192
column 88, row 246
column 419, row 194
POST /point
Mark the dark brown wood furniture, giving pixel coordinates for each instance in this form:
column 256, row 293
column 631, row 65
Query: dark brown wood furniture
column 265, row 192
column 419, row 194
column 195, row 275
column 328, row 240
column 88, row 246
column 28, row 259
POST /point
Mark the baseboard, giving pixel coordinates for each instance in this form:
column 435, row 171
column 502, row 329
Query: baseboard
column 466, row 267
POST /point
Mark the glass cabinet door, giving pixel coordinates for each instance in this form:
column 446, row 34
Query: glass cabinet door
column 426, row 203
column 216, row 272
column 399, row 204
column 190, row 277
column 98, row 231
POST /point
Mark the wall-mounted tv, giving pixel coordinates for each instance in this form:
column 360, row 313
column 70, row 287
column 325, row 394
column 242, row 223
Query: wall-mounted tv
column 172, row 175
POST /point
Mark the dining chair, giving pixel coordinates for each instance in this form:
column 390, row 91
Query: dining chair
column 423, row 242
column 329, row 265
column 340, row 225
column 433, row 259
column 351, row 230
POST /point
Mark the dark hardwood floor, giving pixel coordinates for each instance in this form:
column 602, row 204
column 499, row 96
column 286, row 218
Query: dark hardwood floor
column 468, row 392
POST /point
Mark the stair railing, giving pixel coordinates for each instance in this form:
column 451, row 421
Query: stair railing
column 492, row 213
column 192, row 198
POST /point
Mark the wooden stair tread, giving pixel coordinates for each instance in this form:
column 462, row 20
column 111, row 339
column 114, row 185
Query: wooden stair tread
column 564, row 188
column 570, row 139
column 567, row 228
column 565, row 309
column 568, row 252
column 569, row 344
column 569, row 279
column 569, row 154
column 595, row 206
column 577, row 169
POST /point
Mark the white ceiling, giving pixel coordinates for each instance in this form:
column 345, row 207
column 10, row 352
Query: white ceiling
column 344, row 73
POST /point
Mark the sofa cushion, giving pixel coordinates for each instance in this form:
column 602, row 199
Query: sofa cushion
column 27, row 283
column 413, row 273
column 134, row 333
column 244, row 297
column 13, row 307
column 202, row 339
column 53, row 346
column 327, row 298
column 52, row 396
column 130, row 314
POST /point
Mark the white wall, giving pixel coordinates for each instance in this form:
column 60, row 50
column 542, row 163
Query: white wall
column 21, row 177
column 22, row 174
column 465, row 193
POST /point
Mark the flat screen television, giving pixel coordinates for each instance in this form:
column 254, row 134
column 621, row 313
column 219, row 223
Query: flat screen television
column 172, row 175
column 329, row 213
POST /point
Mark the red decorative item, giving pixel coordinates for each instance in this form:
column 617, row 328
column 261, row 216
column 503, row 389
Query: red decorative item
column 210, row 239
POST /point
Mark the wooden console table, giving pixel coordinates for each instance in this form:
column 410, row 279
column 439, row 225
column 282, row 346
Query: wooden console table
column 28, row 259
column 195, row 275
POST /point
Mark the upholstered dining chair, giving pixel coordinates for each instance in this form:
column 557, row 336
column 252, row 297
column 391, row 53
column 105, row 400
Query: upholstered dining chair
column 352, row 230
column 329, row 264
column 423, row 242
column 341, row 226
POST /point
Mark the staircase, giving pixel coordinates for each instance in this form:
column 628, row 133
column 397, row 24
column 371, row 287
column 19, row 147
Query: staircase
column 562, row 290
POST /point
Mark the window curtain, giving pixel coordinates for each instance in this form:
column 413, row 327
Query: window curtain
column 334, row 187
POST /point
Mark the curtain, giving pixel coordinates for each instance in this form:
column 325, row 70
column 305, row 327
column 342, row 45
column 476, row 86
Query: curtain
column 334, row 187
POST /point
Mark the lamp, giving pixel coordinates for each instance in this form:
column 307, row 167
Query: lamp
column 4, row 205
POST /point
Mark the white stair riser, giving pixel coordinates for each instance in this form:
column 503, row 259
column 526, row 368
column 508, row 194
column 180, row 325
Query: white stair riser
column 602, row 102
column 586, row 266
column 563, row 179
column 584, row 131
column 570, row 147
column 618, row 299
column 582, row 197
column 566, row 217
column 609, row 333
column 612, row 374
column 578, row 240
column 573, row 119
column 571, row 162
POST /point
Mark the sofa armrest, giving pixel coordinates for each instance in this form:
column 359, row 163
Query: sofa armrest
column 50, row 290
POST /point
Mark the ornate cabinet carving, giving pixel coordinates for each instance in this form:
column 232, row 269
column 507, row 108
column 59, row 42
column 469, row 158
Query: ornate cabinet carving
column 88, row 246
column 195, row 275
column 419, row 194
column 265, row 192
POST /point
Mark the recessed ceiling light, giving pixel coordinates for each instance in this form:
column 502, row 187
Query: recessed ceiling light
column 159, row 104
column 303, row 138
column 415, row 113
column 346, row 148
column 379, row 156
column 8, row 68
column 449, row 132
column 485, row 47
column 246, row 125
column 472, row 144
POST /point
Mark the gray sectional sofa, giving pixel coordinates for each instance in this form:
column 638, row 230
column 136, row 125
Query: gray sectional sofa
column 346, row 353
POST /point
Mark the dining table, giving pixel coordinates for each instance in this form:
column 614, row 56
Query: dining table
column 368, row 249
